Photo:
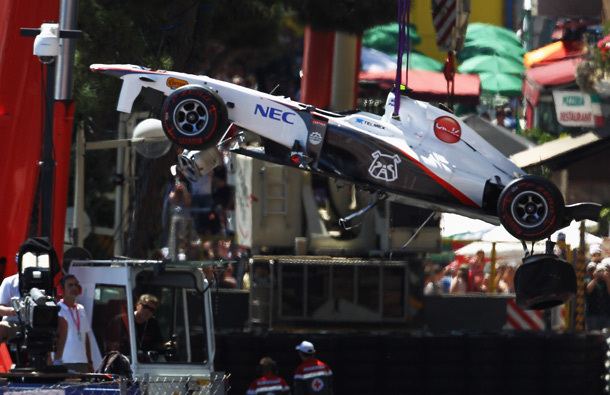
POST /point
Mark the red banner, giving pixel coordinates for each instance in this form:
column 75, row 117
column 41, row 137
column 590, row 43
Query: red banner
column 21, row 120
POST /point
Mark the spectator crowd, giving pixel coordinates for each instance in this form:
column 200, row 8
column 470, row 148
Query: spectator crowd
column 597, row 290
column 473, row 276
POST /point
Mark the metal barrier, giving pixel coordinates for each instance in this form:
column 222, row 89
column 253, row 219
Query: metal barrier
column 158, row 385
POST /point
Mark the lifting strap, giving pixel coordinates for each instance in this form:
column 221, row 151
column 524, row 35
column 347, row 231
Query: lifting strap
column 404, row 8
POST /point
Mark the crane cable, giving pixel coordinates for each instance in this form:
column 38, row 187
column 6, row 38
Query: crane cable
column 404, row 8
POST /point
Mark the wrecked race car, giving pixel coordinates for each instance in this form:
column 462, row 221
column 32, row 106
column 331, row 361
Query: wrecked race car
column 419, row 155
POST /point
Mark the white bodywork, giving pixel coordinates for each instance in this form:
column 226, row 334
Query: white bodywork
column 462, row 167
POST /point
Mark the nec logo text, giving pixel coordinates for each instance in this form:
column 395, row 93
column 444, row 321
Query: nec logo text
column 275, row 114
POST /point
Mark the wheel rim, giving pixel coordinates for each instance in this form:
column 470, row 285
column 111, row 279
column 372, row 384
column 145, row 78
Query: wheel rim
column 191, row 117
column 529, row 209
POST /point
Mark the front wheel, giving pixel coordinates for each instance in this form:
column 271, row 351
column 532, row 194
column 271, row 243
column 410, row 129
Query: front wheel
column 531, row 208
column 194, row 117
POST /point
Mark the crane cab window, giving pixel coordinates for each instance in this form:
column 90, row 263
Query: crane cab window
column 170, row 324
column 109, row 315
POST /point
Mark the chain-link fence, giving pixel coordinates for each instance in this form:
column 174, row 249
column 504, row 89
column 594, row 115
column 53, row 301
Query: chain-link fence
column 92, row 384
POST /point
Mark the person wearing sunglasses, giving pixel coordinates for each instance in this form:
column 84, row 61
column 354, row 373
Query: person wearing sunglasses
column 148, row 332
column 148, row 337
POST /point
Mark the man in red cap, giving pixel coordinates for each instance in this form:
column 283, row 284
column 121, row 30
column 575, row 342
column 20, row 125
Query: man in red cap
column 312, row 376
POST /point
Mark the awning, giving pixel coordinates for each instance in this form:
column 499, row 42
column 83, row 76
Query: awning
column 553, row 52
column 564, row 151
column 558, row 73
column 429, row 85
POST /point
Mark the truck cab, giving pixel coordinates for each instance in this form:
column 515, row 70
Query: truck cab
column 110, row 292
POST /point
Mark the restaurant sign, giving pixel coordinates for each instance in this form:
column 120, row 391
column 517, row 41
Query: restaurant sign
column 576, row 108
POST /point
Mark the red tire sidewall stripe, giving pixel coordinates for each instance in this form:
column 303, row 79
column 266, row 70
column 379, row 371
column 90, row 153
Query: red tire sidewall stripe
column 208, row 100
column 550, row 220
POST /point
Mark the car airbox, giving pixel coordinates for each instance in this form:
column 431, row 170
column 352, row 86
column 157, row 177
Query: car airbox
column 544, row 281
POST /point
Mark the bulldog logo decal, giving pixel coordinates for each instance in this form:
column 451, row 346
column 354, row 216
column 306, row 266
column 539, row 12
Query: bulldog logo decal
column 384, row 167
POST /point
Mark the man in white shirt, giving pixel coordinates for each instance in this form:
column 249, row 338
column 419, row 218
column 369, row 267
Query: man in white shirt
column 77, row 352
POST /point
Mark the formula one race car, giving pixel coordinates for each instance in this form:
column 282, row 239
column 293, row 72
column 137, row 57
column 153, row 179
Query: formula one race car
column 422, row 156
column 419, row 155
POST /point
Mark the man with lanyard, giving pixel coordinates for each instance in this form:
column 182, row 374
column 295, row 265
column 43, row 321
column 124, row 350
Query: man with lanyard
column 77, row 352
column 312, row 376
column 269, row 383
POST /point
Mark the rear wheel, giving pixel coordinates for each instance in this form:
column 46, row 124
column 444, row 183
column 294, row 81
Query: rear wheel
column 531, row 208
column 194, row 117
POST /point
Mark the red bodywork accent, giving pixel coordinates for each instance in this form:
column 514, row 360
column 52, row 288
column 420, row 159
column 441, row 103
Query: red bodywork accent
column 450, row 188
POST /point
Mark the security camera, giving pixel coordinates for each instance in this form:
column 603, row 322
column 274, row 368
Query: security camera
column 194, row 164
column 46, row 43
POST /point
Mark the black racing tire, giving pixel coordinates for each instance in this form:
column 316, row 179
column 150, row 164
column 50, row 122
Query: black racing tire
column 194, row 117
column 531, row 208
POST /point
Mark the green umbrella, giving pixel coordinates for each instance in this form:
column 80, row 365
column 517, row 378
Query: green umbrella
column 418, row 61
column 492, row 63
column 385, row 38
column 478, row 30
column 489, row 46
column 485, row 39
column 499, row 83
column 372, row 59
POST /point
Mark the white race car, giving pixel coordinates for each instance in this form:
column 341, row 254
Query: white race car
column 424, row 156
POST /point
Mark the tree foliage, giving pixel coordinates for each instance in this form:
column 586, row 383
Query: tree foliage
column 196, row 36
column 352, row 16
column 538, row 136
